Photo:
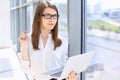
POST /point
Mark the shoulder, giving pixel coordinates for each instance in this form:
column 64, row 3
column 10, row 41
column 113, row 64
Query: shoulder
column 64, row 40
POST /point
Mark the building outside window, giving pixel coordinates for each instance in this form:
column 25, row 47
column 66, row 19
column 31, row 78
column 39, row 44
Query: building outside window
column 103, row 36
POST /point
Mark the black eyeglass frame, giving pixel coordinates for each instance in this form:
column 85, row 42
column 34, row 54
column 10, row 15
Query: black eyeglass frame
column 49, row 16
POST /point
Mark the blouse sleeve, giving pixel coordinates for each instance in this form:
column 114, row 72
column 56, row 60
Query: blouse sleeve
column 25, row 66
column 64, row 55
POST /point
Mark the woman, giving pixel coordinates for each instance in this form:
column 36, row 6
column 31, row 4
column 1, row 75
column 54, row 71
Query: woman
column 44, row 50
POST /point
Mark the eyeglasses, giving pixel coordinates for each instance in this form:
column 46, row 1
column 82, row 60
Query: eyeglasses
column 49, row 16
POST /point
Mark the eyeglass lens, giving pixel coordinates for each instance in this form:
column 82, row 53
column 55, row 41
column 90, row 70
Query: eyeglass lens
column 49, row 16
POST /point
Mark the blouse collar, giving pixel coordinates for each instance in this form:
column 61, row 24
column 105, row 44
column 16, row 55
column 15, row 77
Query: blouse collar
column 49, row 35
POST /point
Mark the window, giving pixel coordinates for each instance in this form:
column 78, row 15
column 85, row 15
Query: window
column 29, row 18
column 20, row 2
column 28, row 0
column 103, row 36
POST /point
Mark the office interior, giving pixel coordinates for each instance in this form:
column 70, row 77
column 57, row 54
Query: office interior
column 89, row 25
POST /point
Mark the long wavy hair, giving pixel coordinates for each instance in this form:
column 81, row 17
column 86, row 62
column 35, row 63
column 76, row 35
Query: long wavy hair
column 36, row 27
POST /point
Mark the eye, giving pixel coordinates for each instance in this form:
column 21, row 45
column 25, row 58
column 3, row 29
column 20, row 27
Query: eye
column 48, row 15
column 55, row 16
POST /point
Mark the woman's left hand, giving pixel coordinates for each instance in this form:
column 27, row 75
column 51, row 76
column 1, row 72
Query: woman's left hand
column 72, row 76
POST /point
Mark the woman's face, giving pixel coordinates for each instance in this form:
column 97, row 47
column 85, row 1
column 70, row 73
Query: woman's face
column 49, row 19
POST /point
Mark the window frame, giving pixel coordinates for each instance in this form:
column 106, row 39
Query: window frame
column 77, row 29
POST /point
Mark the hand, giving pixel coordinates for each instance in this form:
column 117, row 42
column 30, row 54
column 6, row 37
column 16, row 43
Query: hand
column 72, row 76
column 23, row 38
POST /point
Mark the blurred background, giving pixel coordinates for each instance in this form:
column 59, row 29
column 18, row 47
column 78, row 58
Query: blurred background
column 89, row 25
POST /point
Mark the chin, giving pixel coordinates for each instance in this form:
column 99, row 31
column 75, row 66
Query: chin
column 51, row 28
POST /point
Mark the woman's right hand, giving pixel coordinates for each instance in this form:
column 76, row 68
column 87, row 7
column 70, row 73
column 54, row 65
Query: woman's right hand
column 23, row 39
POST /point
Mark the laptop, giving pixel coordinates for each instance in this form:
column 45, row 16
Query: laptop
column 76, row 63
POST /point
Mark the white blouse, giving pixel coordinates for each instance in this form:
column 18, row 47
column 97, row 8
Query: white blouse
column 45, row 59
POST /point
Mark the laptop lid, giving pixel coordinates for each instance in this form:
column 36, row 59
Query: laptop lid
column 77, row 63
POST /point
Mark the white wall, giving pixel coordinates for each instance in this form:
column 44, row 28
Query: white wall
column 4, row 23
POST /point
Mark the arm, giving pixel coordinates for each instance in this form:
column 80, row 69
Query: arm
column 24, row 59
column 24, row 52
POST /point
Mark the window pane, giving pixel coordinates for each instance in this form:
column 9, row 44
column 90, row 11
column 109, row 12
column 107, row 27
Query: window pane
column 11, row 3
column 29, row 18
column 28, row 0
column 103, row 36
column 20, row 2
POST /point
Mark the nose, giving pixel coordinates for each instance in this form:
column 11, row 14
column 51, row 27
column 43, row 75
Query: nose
column 52, row 18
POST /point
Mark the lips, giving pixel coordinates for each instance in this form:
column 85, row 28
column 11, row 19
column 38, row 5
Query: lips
column 51, row 24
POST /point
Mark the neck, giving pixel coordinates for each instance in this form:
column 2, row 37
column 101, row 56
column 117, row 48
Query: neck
column 45, row 33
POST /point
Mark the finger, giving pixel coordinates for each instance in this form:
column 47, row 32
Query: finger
column 75, row 76
column 70, row 77
column 24, row 35
column 72, row 74
column 20, row 37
